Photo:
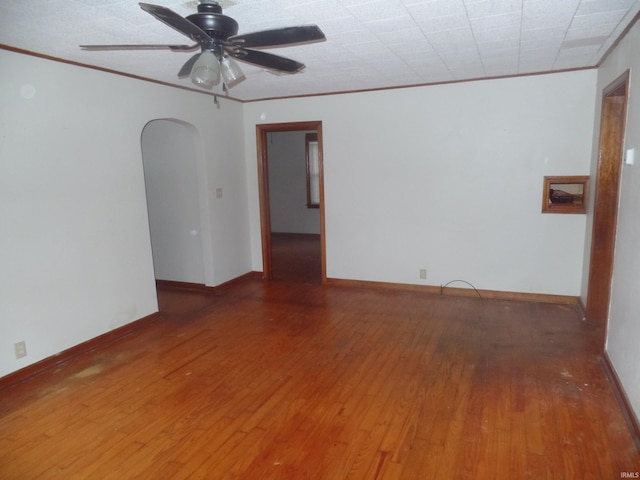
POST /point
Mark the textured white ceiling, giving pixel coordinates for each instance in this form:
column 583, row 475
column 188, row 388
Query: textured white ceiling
column 370, row 43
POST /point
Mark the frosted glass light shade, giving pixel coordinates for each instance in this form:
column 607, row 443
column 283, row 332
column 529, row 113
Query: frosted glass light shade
column 206, row 71
column 231, row 72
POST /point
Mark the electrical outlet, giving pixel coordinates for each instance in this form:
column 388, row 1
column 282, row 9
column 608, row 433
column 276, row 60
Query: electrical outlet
column 20, row 349
column 423, row 274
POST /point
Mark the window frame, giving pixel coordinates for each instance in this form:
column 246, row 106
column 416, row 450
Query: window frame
column 313, row 174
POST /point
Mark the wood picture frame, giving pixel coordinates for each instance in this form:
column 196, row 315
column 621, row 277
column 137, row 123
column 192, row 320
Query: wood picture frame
column 565, row 194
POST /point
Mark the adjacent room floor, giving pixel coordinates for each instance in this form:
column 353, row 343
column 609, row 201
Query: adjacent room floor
column 296, row 257
column 285, row 380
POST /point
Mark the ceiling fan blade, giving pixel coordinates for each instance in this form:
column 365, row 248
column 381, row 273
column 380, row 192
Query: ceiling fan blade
column 177, row 48
column 279, row 37
column 185, row 71
column 176, row 22
column 267, row 60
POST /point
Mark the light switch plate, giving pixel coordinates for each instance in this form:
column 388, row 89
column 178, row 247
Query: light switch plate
column 629, row 156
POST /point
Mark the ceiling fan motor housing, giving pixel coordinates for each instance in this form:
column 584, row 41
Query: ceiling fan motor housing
column 210, row 19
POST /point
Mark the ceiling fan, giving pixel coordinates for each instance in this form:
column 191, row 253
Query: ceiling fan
column 216, row 35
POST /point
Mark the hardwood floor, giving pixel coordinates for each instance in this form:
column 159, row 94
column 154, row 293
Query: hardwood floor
column 296, row 257
column 279, row 380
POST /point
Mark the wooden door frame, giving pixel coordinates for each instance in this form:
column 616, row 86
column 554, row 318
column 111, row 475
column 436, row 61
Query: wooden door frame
column 613, row 118
column 262, row 132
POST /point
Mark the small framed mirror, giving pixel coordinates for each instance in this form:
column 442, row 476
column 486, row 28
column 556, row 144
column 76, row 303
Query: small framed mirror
column 565, row 194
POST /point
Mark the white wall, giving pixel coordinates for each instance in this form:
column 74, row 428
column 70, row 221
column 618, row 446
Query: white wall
column 447, row 178
column 623, row 337
column 288, row 184
column 75, row 252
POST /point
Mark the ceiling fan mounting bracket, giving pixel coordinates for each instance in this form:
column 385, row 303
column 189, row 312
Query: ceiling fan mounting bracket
column 209, row 6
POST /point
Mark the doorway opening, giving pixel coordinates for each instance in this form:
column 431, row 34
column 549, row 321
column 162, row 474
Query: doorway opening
column 605, row 213
column 170, row 156
column 291, row 252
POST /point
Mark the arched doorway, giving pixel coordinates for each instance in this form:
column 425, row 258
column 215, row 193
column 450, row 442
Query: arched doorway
column 171, row 151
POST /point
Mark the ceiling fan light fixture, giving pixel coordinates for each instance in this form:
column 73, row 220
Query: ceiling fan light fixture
column 231, row 71
column 206, row 71
column 217, row 37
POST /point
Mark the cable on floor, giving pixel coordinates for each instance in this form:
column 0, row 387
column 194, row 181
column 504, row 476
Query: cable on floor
column 442, row 287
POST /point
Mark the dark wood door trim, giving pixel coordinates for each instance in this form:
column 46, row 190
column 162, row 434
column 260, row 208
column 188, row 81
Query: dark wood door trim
column 607, row 192
column 262, row 132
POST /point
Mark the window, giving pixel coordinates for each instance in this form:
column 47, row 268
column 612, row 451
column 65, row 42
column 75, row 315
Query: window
column 313, row 170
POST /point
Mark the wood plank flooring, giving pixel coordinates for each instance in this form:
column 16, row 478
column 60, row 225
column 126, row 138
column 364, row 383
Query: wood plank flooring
column 296, row 257
column 281, row 380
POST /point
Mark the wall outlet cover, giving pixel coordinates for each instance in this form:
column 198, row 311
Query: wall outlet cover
column 20, row 349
